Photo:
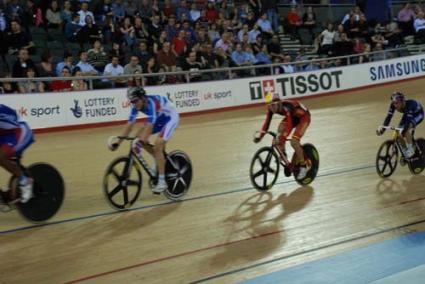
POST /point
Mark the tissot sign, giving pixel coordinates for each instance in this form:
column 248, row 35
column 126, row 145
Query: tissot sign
column 297, row 84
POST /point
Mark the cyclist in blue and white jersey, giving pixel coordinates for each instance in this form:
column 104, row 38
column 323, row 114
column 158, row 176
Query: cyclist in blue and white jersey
column 162, row 118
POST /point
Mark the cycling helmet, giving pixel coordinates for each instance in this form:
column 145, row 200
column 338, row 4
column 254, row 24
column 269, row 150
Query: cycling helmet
column 271, row 97
column 136, row 92
column 398, row 97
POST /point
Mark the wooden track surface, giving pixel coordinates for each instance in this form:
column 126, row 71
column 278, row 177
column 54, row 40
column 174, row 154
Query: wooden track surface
column 224, row 229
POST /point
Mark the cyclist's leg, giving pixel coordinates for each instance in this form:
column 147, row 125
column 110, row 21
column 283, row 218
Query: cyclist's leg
column 159, row 148
column 283, row 132
column 300, row 130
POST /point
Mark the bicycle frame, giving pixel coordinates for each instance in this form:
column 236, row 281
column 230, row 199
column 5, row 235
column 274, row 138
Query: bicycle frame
column 283, row 158
column 133, row 156
column 397, row 137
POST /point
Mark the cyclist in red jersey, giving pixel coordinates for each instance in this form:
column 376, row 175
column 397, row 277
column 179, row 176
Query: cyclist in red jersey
column 296, row 116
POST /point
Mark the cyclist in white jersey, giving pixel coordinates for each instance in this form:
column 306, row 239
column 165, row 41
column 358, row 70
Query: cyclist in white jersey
column 162, row 118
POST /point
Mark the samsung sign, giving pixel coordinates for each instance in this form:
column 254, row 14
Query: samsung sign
column 397, row 70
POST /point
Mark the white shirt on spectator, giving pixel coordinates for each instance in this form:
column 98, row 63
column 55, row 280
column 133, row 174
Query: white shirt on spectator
column 83, row 15
column 252, row 34
column 111, row 70
column 288, row 68
column 328, row 37
column 194, row 15
column 86, row 67
column 419, row 24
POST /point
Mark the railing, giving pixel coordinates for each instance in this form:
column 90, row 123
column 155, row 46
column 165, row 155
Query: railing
column 228, row 73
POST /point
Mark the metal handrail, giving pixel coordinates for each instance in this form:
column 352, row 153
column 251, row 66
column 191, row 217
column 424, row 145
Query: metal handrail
column 202, row 71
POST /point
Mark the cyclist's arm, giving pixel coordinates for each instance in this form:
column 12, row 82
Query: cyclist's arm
column 130, row 123
column 146, row 130
column 389, row 115
column 266, row 123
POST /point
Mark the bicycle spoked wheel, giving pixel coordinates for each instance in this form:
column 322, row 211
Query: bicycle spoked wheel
column 264, row 169
column 122, row 183
column 386, row 159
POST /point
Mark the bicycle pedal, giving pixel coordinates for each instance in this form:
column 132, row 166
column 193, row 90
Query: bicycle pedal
column 156, row 193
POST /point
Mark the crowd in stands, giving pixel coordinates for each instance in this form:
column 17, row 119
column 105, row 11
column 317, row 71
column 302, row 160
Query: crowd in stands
column 116, row 37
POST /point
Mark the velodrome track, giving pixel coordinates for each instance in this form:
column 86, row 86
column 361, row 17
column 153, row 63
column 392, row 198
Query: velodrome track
column 223, row 231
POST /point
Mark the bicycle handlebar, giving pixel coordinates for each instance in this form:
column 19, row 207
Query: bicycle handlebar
column 392, row 128
column 267, row 132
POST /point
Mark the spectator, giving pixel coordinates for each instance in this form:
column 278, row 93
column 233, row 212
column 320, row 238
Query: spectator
column 68, row 61
column 89, row 32
column 78, row 84
column 66, row 12
column 326, row 39
column 84, row 13
column 62, row 85
column 46, row 66
column 72, row 28
column 393, row 34
column 160, row 42
column 115, row 69
column 130, row 7
column 103, row 10
column 136, row 81
column 251, row 20
column 128, row 33
column 133, row 65
column 287, row 68
column 265, row 26
column 141, row 31
column 53, row 16
column 97, row 57
column 253, row 34
column 405, row 19
column 366, row 56
column 166, row 58
column 378, row 38
column 84, row 66
column 168, row 10
column 152, row 68
column 213, row 34
column 378, row 55
column 263, row 57
column 182, row 10
column 22, row 63
column 117, row 50
column 29, row 15
column 110, row 32
column 155, row 27
column 211, row 13
column 18, row 39
column 275, row 48
column 293, row 22
column 224, row 42
column 344, row 46
column 144, row 54
column 27, row 87
column 241, row 32
column 7, row 87
column 194, row 13
column 179, row 44
column 201, row 36
column 270, row 7
column 419, row 26
column 118, row 11
column 190, row 64
column 255, row 6
column 209, row 56
column 145, row 9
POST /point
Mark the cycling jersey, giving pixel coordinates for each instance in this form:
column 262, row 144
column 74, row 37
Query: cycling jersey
column 413, row 114
column 15, row 135
column 161, row 113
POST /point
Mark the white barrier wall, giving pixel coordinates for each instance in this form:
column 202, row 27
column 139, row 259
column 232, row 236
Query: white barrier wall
column 79, row 108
